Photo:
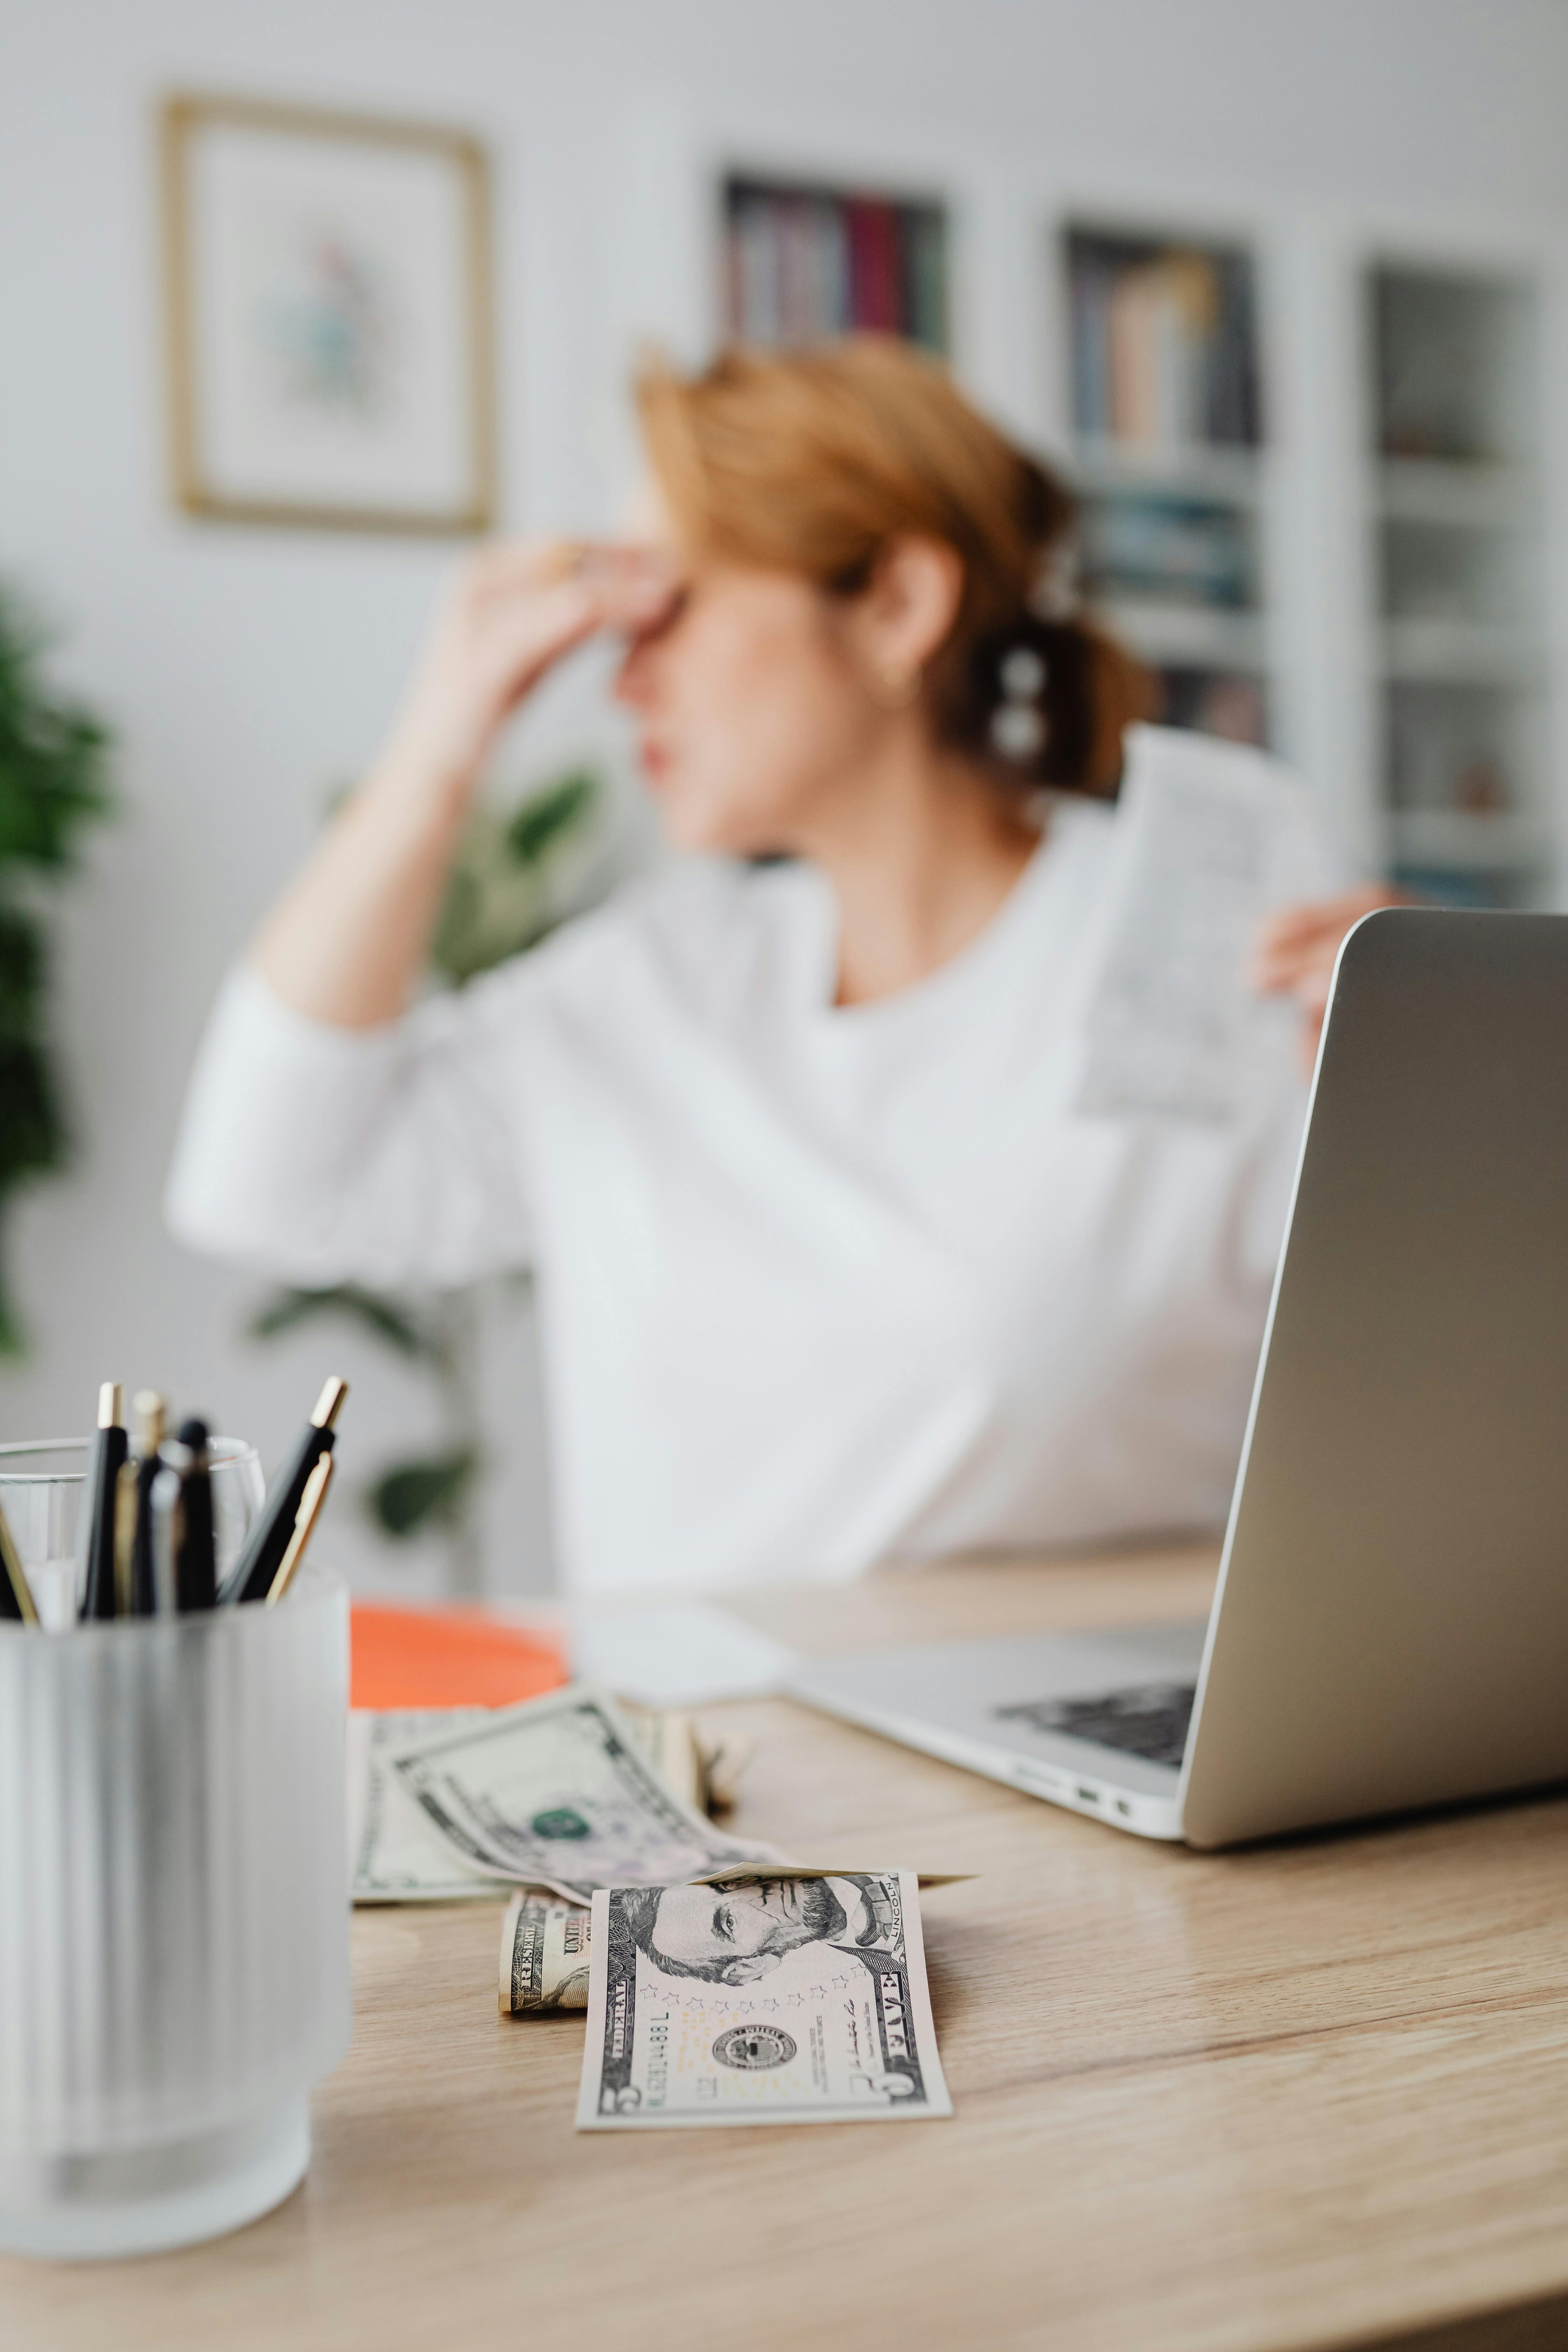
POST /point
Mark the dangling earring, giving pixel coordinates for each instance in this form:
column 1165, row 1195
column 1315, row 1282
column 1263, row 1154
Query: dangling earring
column 1017, row 723
column 895, row 689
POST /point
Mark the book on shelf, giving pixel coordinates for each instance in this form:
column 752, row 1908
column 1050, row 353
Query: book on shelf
column 805, row 264
column 1148, row 545
column 1163, row 344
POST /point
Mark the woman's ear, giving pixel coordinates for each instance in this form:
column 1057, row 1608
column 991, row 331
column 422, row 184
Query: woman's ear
column 905, row 612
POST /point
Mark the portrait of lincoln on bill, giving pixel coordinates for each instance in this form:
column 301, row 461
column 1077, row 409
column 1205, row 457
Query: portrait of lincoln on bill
column 734, row 1934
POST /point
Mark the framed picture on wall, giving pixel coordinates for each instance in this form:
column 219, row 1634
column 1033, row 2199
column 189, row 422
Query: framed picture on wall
column 331, row 359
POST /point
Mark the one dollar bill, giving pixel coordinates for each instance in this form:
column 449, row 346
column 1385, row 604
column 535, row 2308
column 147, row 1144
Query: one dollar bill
column 397, row 1854
column 557, row 1793
column 394, row 1855
column 769, row 2002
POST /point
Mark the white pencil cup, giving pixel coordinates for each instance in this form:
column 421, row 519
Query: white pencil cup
column 174, row 1918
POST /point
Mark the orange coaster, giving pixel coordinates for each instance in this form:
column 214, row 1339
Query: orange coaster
column 446, row 1657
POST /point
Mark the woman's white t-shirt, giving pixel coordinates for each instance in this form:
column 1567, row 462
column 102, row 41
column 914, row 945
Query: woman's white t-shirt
column 819, row 1285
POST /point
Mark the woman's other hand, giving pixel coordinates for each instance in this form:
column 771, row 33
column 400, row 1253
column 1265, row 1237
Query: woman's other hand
column 1296, row 949
column 513, row 611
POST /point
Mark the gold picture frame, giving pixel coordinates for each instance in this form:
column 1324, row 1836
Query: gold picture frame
column 354, row 388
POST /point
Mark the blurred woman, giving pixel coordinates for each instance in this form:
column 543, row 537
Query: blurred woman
column 829, row 1268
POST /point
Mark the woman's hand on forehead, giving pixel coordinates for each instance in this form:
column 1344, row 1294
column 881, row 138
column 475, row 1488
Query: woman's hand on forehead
column 612, row 583
column 638, row 581
column 515, row 609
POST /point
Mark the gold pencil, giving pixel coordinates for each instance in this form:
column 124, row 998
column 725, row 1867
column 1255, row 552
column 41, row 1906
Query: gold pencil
column 127, row 1506
column 310, row 1510
column 15, row 1592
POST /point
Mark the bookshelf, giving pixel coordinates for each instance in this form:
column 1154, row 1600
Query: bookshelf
column 804, row 261
column 1167, row 428
column 1459, row 623
column 1322, row 457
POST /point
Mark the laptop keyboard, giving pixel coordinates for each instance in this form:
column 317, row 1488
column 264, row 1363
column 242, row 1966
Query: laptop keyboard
column 1150, row 1719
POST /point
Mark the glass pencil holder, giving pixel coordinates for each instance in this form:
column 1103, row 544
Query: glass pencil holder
column 41, row 1485
column 173, row 1917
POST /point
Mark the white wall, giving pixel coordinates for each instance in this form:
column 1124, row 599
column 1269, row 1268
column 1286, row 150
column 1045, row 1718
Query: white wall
column 246, row 672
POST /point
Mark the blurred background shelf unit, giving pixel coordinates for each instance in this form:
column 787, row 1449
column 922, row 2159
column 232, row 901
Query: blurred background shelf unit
column 1314, row 454
column 803, row 259
column 1459, row 624
column 1167, row 424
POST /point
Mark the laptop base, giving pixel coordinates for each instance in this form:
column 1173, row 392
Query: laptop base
column 1000, row 1707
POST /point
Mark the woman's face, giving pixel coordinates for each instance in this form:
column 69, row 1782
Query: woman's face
column 754, row 708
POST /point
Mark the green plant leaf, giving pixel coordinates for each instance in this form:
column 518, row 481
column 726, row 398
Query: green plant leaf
column 32, row 1138
column 386, row 1318
column 498, row 901
column 416, row 1495
column 546, row 817
column 22, row 972
column 461, row 949
column 51, row 780
column 51, row 754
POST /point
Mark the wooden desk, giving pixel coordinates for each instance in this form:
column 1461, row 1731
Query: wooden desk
column 1308, row 2095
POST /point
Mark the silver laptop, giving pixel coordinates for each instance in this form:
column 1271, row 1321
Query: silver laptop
column 1390, row 1629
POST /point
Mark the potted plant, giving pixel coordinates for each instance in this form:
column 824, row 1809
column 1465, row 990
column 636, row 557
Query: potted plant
column 52, row 755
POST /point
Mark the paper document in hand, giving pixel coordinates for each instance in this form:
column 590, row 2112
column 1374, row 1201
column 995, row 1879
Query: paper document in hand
column 555, row 1793
column 782, row 2001
column 1210, row 838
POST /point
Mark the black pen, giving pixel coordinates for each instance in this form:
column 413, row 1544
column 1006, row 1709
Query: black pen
column 98, row 1504
column 196, row 1562
column 252, row 1576
column 15, row 1592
